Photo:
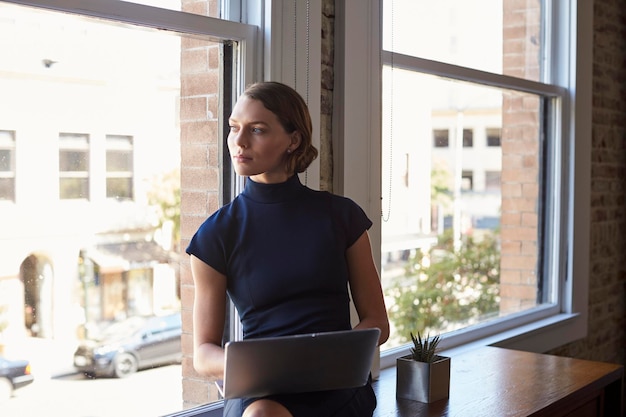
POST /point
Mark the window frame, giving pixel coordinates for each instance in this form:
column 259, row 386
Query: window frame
column 538, row 330
column 357, row 131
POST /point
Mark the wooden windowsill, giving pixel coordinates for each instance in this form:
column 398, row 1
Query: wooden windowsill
column 499, row 382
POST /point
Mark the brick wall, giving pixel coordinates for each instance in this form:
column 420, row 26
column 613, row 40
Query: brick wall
column 200, row 175
column 328, row 83
column 607, row 288
column 520, row 160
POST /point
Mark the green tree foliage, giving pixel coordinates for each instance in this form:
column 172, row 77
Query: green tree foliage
column 4, row 323
column 442, row 290
column 165, row 196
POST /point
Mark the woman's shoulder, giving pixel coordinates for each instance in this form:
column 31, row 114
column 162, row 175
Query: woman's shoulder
column 222, row 218
column 338, row 202
column 329, row 196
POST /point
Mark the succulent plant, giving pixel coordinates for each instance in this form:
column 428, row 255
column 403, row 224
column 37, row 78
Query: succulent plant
column 424, row 349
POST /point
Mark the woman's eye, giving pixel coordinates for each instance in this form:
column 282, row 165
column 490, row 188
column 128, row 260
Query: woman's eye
column 257, row 130
column 233, row 128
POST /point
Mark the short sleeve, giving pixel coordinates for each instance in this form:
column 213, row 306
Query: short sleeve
column 351, row 218
column 208, row 243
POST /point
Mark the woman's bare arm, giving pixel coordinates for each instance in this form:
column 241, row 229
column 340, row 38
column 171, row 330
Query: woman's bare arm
column 208, row 318
column 366, row 289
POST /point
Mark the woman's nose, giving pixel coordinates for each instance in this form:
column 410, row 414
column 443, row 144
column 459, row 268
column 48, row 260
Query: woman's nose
column 239, row 138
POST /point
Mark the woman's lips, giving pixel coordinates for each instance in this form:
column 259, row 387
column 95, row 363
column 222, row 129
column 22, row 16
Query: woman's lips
column 241, row 158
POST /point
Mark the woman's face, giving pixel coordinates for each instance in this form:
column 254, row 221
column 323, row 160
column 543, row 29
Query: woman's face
column 258, row 143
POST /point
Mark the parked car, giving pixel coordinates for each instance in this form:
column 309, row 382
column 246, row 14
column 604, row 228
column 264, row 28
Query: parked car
column 14, row 374
column 130, row 345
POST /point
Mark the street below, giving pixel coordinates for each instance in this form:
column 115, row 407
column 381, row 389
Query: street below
column 150, row 393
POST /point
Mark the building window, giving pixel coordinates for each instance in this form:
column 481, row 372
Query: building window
column 492, row 181
column 468, row 138
column 493, row 136
column 119, row 167
column 467, row 181
column 7, row 165
column 441, row 138
column 467, row 78
column 73, row 166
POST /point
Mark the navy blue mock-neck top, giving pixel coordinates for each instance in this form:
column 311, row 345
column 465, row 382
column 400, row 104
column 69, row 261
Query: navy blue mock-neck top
column 282, row 249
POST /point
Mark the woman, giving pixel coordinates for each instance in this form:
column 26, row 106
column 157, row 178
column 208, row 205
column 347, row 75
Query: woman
column 284, row 253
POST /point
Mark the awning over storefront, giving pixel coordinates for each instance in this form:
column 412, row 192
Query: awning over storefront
column 124, row 256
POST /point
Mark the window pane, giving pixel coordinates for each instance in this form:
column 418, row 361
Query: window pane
column 73, row 161
column 69, row 272
column 208, row 8
column 72, row 188
column 6, row 160
column 120, row 188
column 7, row 165
column 468, row 138
column 441, row 138
column 492, row 181
column 119, row 161
column 468, row 33
column 7, row 189
column 493, row 137
column 460, row 243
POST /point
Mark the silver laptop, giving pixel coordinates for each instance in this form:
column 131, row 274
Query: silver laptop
column 301, row 363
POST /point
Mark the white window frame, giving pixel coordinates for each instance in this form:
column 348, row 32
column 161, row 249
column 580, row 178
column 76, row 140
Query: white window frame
column 359, row 60
column 357, row 123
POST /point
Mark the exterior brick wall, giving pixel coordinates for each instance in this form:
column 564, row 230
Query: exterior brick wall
column 520, row 167
column 328, row 83
column 200, row 175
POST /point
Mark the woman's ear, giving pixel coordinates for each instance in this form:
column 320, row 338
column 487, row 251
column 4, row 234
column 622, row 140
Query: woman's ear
column 296, row 138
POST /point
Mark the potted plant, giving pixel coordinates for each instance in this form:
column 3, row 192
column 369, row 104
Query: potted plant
column 423, row 375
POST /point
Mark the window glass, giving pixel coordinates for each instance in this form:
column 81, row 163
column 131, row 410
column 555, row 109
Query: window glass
column 468, row 138
column 492, row 181
column 119, row 154
column 471, row 34
column 113, row 104
column 461, row 246
column 493, row 136
column 467, row 181
column 441, row 138
column 205, row 8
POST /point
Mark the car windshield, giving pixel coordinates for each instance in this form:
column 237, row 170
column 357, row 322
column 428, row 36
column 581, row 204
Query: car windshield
column 121, row 329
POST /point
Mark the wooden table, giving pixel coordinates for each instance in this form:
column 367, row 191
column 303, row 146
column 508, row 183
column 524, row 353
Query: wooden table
column 502, row 382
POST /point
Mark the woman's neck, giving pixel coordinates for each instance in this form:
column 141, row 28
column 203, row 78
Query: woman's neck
column 271, row 178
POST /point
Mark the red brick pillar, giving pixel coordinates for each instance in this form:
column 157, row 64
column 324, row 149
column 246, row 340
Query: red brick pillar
column 200, row 174
column 520, row 159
